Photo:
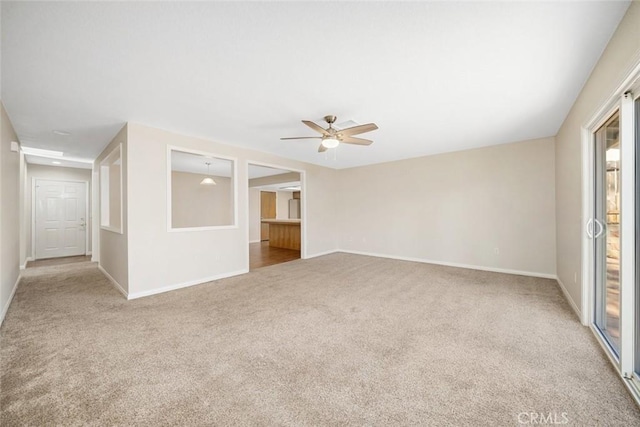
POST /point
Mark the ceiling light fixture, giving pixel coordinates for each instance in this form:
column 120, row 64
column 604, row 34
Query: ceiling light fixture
column 208, row 180
column 330, row 142
column 61, row 132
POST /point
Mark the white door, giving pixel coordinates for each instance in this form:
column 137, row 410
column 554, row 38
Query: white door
column 61, row 212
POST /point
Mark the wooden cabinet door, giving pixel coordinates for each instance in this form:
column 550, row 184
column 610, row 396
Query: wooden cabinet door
column 267, row 211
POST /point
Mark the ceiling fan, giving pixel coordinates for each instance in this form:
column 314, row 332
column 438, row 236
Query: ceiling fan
column 332, row 137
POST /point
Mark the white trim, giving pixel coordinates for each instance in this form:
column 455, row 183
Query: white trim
column 255, row 241
column 319, row 254
column 11, row 295
column 627, row 233
column 605, row 347
column 587, row 253
column 187, row 284
column 619, row 99
column 633, row 389
column 303, row 203
column 95, row 214
column 111, row 229
column 455, row 264
column 87, row 214
column 26, row 261
column 205, row 228
column 572, row 303
column 102, row 163
column 113, row 281
column 33, row 218
column 234, row 161
column 33, row 213
column 602, row 113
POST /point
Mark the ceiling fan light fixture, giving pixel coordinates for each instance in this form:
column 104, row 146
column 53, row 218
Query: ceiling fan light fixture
column 330, row 142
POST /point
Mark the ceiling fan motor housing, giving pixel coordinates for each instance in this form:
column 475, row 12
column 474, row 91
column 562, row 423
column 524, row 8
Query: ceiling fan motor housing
column 330, row 119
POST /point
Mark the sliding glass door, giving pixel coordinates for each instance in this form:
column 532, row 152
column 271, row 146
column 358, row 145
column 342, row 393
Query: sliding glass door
column 611, row 297
column 605, row 229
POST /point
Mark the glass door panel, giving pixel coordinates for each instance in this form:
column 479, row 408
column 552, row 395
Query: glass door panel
column 606, row 231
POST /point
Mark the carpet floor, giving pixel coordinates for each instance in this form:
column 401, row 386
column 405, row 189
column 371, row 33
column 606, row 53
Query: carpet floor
column 337, row 340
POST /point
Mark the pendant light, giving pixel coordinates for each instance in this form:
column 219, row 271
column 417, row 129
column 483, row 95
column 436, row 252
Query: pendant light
column 208, row 180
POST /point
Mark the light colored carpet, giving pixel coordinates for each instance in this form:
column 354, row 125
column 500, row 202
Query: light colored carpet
column 336, row 340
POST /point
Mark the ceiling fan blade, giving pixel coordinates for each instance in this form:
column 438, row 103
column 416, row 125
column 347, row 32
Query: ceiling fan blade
column 357, row 141
column 315, row 127
column 302, row 137
column 356, row 130
column 322, row 149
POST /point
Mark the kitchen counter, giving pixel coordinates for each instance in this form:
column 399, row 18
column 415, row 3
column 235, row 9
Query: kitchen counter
column 281, row 221
column 284, row 233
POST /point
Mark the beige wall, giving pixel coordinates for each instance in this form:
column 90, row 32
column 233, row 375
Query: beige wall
column 161, row 260
column 195, row 205
column 456, row 208
column 621, row 53
column 282, row 204
column 254, row 214
column 274, row 179
column 54, row 173
column 10, row 221
column 114, row 247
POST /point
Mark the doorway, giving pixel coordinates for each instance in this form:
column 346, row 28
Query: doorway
column 276, row 225
column 611, row 251
column 59, row 218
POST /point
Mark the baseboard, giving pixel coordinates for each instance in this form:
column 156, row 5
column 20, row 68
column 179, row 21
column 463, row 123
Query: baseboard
column 113, row 281
column 6, row 306
column 255, row 241
column 455, row 264
column 573, row 305
column 24, row 266
column 168, row 288
column 322, row 254
column 88, row 253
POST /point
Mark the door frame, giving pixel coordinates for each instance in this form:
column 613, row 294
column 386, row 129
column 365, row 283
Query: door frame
column 621, row 100
column 303, row 203
column 87, row 203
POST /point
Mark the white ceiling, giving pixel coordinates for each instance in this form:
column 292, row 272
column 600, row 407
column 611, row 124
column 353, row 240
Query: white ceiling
column 256, row 171
column 196, row 163
column 282, row 186
column 57, row 162
column 434, row 76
